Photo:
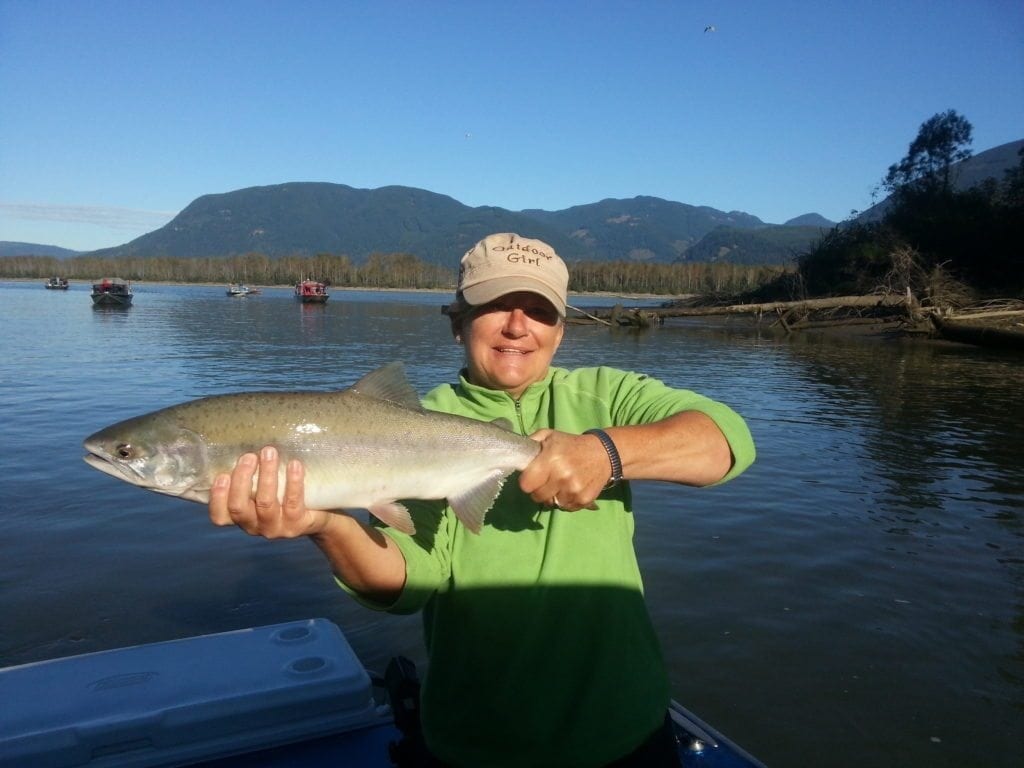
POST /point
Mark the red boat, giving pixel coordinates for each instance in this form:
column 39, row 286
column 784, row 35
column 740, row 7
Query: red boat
column 311, row 292
column 112, row 292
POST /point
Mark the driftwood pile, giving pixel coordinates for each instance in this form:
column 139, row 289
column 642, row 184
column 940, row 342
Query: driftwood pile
column 998, row 324
column 994, row 324
column 791, row 315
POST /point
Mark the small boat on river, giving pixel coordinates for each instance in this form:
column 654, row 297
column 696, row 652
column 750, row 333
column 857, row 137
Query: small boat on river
column 112, row 292
column 311, row 292
column 239, row 289
column 291, row 694
column 57, row 284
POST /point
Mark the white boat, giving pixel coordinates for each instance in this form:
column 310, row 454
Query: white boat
column 57, row 284
column 238, row 289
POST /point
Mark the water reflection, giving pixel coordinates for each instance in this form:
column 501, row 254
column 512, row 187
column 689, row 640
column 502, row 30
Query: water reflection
column 864, row 577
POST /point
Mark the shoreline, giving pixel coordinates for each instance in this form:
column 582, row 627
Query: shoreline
column 882, row 329
column 289, row 286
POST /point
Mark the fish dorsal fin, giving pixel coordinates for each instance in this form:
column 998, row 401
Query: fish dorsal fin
column 389, row 383
column 504, row 423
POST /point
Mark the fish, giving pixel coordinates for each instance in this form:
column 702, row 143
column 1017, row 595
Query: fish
column 365, row 447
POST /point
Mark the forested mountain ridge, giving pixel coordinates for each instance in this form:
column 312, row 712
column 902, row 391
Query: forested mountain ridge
column 13, row 248
column 307, row 218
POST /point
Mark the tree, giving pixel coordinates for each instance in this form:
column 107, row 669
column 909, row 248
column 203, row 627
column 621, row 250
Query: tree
column 942, row 140
column 1011, row 192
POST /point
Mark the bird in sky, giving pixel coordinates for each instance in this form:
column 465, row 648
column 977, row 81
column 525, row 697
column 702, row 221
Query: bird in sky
column 709, row 28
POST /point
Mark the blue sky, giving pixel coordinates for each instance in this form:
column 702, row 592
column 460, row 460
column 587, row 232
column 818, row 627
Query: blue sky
column 116, row 114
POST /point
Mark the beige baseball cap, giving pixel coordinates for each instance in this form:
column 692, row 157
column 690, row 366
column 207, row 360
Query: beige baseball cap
column 505, row 263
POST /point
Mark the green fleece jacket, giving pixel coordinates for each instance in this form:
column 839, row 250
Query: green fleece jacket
column 541, row 650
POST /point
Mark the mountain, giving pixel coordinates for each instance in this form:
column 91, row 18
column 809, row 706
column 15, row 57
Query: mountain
column 990, row 164
column 9, row 248
column 641, row 228
column 767, row 245
column 313, row 217
column 810, row 220
column 306, row 218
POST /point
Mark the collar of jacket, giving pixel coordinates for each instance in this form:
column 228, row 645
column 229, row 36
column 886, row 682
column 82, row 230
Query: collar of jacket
column 484, row 395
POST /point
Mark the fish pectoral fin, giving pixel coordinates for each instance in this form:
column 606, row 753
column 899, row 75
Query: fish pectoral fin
column 394, row 514
column 201, row 495
column 472, row 505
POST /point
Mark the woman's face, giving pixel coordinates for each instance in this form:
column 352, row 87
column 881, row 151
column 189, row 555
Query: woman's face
column 511, row 341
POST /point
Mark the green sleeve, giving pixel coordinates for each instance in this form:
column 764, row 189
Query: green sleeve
column 641, row 399
column 427, row 558
column 655, row 397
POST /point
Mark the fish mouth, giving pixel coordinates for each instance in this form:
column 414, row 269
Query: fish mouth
column 97, row 458
column 107, row 467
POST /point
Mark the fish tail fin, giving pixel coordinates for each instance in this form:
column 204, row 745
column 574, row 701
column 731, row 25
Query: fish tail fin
column 394, row 514
column 472, row 505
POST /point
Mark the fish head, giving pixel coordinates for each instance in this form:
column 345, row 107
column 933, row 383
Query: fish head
column 152, row 453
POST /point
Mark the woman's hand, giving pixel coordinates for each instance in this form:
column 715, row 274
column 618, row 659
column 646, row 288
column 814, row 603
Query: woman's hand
column 232, row 501
column 569, row 472
column 359, row 554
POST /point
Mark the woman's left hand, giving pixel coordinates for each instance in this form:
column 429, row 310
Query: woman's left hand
column 569, row 472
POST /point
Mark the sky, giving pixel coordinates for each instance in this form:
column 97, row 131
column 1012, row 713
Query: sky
column 116, row 114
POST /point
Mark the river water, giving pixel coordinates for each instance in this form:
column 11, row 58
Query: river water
column 856, row 598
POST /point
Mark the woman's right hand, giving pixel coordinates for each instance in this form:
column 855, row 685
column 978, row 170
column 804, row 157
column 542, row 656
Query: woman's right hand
column 232, row 501
column 360, row 555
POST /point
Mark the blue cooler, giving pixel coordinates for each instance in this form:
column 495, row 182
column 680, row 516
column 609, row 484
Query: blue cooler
column 185, row 701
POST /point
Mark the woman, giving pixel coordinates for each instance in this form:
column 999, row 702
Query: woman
column 541, row 651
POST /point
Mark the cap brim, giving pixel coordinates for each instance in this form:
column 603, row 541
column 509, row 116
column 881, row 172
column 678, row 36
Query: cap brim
column 489, row 290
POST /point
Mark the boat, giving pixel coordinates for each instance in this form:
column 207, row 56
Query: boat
column 112, row 292
column 311, row 292
column 239, row 289
column 291, row 694
column 57, row 284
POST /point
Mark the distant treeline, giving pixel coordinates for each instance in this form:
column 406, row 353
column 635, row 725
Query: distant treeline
column 394, row 270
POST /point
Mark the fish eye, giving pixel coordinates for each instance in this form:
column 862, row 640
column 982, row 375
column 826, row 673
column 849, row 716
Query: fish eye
column 124, row 450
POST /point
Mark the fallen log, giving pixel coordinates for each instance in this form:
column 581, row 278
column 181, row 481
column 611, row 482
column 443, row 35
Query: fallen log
column 786, row 310
column 987, row 315
column 811, row 324
column 635, row 317
column 980, row 335
column 805, row 305
column 587, row 315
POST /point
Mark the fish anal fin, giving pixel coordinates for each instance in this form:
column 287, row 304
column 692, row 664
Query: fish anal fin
column 394, row 514
column 472, row 505
column 390, row 383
